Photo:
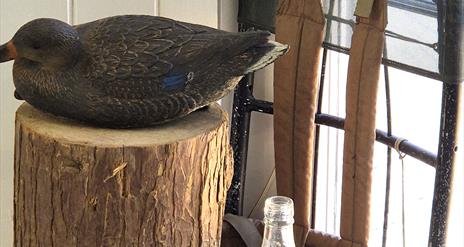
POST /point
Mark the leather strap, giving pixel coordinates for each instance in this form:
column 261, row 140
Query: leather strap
column 246, row 229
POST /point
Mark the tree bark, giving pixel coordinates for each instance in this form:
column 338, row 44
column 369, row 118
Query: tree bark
column 77, row 185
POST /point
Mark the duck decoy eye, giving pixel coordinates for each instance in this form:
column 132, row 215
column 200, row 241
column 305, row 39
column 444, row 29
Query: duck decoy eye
column 35, row 46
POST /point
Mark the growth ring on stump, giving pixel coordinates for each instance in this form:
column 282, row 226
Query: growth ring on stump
column 77, row 185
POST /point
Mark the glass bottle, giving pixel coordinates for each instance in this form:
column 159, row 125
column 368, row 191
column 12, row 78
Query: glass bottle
column 278, row 222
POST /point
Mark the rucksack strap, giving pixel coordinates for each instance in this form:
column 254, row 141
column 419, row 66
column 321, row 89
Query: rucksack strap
column 246, row 229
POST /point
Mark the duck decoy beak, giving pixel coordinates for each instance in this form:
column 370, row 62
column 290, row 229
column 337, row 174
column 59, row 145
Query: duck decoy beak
column 7, row 52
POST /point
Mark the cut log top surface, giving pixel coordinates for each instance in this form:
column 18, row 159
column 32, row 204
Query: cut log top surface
column 66, row 130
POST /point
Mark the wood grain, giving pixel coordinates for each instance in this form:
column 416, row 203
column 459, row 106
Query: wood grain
column 81, row 186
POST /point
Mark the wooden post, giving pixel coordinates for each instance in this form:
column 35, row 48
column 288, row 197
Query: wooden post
column 77, row 185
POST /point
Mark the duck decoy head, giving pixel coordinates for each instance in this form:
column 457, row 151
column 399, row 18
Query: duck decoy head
column 49, row 43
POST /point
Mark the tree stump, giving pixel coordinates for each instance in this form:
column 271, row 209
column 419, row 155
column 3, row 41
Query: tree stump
column 77, row 185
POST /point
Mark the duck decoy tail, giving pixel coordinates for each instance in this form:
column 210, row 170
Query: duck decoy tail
column 269, row 52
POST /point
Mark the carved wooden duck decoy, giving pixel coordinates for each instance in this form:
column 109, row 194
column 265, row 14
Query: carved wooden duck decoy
column 132, row 70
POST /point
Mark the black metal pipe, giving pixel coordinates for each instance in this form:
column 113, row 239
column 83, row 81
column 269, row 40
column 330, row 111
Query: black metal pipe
column 451, row 56
column 445, row 170
column 382, row 137
column 451, row 40
column 407, row 148
column 239, row 137
column 259, row 105
column 240, row 128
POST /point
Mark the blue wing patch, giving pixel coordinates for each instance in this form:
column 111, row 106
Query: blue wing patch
column 175, row 81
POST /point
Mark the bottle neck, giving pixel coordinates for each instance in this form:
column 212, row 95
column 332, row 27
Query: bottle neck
column 278, row 235
column 278, row 220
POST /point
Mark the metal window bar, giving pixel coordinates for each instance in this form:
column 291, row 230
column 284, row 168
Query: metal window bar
column 450, row 15
column 419, row 6
column 389, row 153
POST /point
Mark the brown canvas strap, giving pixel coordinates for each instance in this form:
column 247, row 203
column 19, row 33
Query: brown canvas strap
column 361, row 98
column 300, row 24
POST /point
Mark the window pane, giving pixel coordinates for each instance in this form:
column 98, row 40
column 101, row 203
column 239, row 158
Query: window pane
column 416, row 106
column 408, row 42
